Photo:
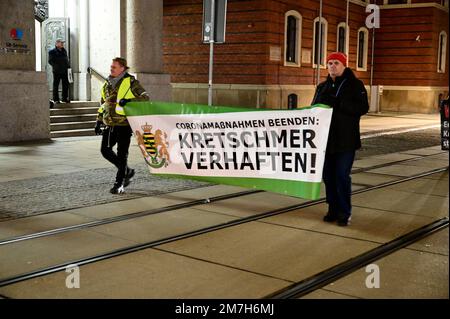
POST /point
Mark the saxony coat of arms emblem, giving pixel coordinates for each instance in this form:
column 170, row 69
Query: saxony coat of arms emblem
column 153, row 146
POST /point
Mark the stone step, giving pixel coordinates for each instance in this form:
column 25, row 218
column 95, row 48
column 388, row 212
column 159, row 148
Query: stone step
column 72, row 126
column 74, row 111
column 72, row 118
column 73, row 133
column 77, row 104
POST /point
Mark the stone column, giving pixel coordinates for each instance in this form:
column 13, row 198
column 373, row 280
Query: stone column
column 24, row 103
column 78, row 13
column 141, row 44
column 84, row 80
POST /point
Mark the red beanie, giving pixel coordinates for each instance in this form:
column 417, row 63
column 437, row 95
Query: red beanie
column 338, row 56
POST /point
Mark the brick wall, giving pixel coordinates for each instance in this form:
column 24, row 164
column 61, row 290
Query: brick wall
column 334, row 11
column 256, row 26
column 401, row 60
column 253, row 26
column 239, row 60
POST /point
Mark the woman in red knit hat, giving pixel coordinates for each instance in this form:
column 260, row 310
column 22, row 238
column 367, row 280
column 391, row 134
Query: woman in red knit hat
column 348, row 97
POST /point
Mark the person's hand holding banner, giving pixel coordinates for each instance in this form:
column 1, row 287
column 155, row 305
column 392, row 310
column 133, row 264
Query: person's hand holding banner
column 328, row 99
column 123, row 102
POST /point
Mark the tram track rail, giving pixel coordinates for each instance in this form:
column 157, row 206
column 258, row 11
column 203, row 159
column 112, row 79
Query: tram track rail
column 317, row 281
column 164, row 209
column 125, row 217
column 154, row 243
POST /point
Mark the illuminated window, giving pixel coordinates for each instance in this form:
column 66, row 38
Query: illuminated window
column 342, row 38
column 442, row 52
column 320, row 41
column 292, row 38
column 362, row 49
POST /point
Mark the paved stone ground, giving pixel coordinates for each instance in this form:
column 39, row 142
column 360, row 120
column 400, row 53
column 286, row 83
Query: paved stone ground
column 80, row 189
column 399, row 142
column 91, row 187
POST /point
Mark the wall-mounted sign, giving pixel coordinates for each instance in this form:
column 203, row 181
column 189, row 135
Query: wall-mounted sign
column 15, row 45
column 16, row 34
column 220, row 19
column 306, row 56
column 275, row 53
column 445, row 114
column 15, row 48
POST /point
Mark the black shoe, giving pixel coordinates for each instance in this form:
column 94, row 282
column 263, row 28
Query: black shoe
column 344, row 221
column 330, row 218
column 66, row 101
column 118, row 188
column 129, row 177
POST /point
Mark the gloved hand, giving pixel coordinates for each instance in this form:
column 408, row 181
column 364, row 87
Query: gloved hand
column 329, row 99
column 122, row 102
column 98, row 128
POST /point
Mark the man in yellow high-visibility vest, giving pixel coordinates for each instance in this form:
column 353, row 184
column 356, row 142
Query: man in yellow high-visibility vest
column 119, row 89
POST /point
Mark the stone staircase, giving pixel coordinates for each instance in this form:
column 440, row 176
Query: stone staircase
column 74, row 119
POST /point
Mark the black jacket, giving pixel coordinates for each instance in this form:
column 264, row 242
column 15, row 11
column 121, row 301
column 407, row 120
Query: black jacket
column 348, row 98
column 59, row 60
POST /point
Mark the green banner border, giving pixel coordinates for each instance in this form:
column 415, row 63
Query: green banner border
column 307, row 190
column 168, row 108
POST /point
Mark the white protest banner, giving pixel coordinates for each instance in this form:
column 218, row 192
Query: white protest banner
column 275, row 150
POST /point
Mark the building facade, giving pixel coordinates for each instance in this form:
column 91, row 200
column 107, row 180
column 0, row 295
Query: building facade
column 96, row 32
column 270, row 57
column 271, row 51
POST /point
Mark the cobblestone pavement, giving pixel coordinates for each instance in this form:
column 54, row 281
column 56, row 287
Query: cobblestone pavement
column 90, row 187
column 399, row 142
column 80, row 189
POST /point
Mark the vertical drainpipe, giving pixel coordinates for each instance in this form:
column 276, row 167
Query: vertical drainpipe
column 371, row 71
column 257, row 98
column 347, row 33
column 320, row 43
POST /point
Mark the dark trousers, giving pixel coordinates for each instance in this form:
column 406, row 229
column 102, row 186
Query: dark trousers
column 120, row 135
column 58, row 77
column 338, row 183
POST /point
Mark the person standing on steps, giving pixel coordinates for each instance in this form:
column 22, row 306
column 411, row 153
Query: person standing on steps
column 59, row 61
column 119, row 89
column 348, row 97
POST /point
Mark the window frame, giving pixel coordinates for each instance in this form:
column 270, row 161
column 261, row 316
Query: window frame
column 442, row 54
column 298, row 48
column 365, row 49
column 325, row 43
column 347, row 38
